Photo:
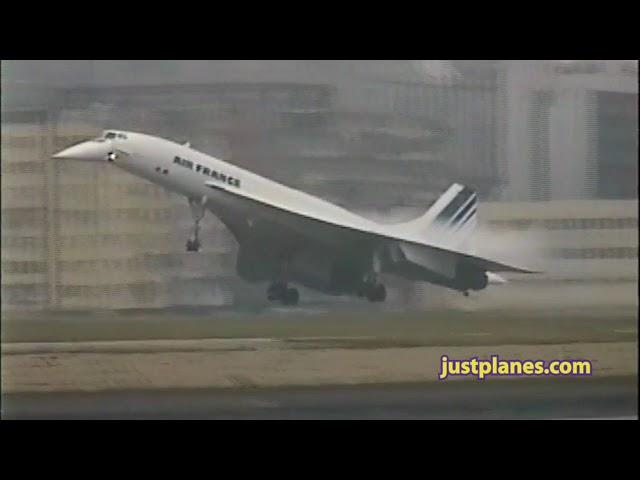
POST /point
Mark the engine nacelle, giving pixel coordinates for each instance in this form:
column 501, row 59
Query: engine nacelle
column 254, row 266
column 325, row 272
column 470, row 278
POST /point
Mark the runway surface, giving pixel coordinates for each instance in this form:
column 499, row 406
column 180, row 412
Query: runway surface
column 568, row 398
column 404, row 328
column 309, row 364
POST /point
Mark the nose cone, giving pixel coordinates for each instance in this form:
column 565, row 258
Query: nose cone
column 88, row 151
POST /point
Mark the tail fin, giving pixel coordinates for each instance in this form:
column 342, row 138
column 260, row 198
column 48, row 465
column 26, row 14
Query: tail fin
column 450, row 220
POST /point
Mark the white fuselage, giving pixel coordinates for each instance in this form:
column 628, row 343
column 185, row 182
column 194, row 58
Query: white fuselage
column 148, row 157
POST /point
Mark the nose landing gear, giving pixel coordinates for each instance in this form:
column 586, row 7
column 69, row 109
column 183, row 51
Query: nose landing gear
column 193, row 244
column 197, row 211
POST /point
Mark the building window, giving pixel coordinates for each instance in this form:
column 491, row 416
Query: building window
column 617, row 145
column 569, row 223
column 540, row 168
column 24, row 267
column 595, row 253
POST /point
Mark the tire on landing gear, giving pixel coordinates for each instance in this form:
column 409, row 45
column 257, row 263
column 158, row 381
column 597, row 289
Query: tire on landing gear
column 377, row 293
column 276, row 291
column 193, row 245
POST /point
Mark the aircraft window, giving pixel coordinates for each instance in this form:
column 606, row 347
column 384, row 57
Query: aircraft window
column 122, row 136
column 110, row 135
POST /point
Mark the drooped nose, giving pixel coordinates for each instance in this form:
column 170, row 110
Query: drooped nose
column 88, row 151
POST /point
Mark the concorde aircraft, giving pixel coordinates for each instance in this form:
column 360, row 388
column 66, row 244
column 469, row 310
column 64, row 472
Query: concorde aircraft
column 287, row 236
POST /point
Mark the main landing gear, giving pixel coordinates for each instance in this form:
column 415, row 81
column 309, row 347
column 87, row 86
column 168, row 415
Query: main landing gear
column 278, row 291
column 197, row 211
column 373, row 290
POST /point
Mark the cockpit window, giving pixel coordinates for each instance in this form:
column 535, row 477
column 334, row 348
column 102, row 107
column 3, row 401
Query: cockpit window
column 110, row 135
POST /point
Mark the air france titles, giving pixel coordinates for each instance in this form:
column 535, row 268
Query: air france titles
column 207, row 171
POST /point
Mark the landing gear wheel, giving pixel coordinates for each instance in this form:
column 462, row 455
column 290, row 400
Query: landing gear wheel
column 197, row 211
column 377, row 293
column 290, row 297
column 380, row 292
column 279, row 291
column 193, row 245
column 276, row 291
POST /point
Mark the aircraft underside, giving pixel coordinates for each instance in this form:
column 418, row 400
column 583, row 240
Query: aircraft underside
column 330, row 272
column 266, row 255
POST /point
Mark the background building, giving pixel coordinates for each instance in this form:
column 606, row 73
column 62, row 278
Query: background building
column 381, row 138
column 570, row 130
